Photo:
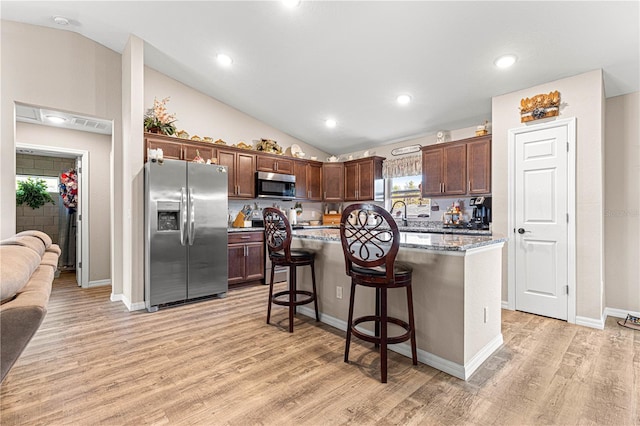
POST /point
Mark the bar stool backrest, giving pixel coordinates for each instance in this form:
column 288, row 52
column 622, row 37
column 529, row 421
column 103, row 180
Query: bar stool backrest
column 277, row 232
column 370, row 238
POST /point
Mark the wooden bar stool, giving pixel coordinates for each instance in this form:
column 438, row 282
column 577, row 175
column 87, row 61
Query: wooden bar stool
column 370, row 242
column 277, row 236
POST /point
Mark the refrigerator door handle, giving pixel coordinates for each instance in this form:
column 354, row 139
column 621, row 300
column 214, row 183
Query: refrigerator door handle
column 183, row 216
column 192, row 218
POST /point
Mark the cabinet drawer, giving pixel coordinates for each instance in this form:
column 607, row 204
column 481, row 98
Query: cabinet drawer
column 245, row 237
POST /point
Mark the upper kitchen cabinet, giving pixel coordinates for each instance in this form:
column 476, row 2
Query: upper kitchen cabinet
column 271, row 163
column 457, row 168
column 178, row 149
column 479, row 166
column 359, row 178
column 241, row 167
column 308, row 180
column 333, row 181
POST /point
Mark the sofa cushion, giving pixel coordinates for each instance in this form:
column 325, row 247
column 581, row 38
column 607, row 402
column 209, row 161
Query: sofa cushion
column 39, row 234
column 18, row 264
column 34, row 243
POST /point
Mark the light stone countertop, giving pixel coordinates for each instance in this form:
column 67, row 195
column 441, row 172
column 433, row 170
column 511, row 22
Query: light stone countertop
column 418, row 240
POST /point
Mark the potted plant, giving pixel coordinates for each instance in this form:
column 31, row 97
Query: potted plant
column 33, row 193
column 157, row 120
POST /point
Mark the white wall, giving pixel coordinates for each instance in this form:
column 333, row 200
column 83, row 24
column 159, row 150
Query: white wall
column 202, row 115
column 99, row 147
column 622, row 203
column 581, row 97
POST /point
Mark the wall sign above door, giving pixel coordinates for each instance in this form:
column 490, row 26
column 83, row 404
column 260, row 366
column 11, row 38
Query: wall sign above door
column 539, row 106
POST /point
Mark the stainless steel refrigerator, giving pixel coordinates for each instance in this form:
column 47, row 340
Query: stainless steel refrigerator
column 185, row 232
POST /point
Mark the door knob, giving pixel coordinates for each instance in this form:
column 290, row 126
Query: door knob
column 522, row 231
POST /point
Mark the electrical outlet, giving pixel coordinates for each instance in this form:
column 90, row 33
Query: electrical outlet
column 486, row 314
column 339, row 292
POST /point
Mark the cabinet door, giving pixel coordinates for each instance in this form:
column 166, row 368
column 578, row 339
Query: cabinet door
column 454, row 170
column 265, row 163
column 170, row 150
column 245, row 175
column 189, row 152
column 479, row 167
column 314, row 181
column 284, row 166
column 365, row 180
column 432, row 172
column 351, row 182
column 228, row 159
column 300, row 172
column 333, row 181
column 254, row 268
column 237, row 262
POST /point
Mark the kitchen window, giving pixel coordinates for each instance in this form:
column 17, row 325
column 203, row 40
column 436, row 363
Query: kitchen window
column 403, row 181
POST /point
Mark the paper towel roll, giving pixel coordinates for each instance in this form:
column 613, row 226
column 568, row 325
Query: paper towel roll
column 292, row 216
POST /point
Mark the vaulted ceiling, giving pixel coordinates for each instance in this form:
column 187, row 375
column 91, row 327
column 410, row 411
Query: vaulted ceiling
column 294, row 68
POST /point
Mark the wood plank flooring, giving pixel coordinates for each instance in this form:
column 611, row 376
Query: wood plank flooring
column 218, row 362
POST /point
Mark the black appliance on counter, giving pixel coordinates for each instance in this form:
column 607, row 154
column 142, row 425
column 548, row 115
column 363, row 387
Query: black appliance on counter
column 481, row 216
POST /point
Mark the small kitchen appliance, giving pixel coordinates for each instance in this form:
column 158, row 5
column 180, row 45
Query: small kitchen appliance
column 481, row 216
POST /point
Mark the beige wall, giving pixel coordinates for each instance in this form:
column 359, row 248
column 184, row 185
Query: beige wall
column 202, row 115
column 581, row 97
column 622, row 203
column 98, row 197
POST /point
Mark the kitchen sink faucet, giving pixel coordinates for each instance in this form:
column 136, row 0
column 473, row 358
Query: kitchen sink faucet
column 404, row 218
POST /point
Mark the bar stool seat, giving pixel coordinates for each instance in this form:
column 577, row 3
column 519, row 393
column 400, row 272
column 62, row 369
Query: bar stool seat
column 370, row 242
column 278, row 242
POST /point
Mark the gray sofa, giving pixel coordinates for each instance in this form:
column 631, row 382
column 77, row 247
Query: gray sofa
column 28, row 262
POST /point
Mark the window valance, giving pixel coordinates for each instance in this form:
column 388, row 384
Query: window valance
column 400, row 167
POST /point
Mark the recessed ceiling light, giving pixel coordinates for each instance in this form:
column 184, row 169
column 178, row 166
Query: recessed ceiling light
column 55, row 119
column 331, row 123
column 403, row 99
column 505, row 61
column 291, row 3
column 60, row 20
column 224, row 60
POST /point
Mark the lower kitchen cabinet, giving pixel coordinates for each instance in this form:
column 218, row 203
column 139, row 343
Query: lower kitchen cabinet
column 246, row 257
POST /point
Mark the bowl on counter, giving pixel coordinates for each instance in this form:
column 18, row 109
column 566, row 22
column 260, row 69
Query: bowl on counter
column 314, row 222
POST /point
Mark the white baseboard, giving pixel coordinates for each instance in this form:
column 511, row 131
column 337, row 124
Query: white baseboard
column 590, row 322
column 619, row 313
column 138, row 306
column 505, row 305
column 98, row 283
column 462, row 372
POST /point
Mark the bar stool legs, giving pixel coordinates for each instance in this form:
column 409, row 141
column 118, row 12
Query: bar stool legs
column 381, row 320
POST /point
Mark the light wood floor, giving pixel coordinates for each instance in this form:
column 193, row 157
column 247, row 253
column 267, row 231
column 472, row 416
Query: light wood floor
column 217, row 362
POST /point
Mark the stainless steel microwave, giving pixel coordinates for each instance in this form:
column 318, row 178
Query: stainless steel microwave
column 275, row 185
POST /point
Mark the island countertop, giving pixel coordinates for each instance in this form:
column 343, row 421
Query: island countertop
column 418, row 240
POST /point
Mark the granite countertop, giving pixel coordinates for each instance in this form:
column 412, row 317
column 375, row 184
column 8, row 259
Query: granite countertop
column 245, row 229
column 419, row 240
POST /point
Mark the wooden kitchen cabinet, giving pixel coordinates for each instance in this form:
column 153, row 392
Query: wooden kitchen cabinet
column 457, row 168
column 269, row 163
column 241, row 168
column 178, row 149
column 479, row 166
column 246, row 257
column 359, row 178
column 308, row 180
column 333, row 181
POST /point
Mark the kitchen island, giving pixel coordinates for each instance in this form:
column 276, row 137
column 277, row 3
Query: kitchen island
column 456, row 294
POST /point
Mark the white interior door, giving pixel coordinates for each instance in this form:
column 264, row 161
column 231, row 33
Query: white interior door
column 541, row 221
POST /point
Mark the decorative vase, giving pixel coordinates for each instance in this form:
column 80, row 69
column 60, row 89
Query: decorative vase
column 154, row 130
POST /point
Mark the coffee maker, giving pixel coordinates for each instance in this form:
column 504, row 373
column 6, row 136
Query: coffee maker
column 481, row 216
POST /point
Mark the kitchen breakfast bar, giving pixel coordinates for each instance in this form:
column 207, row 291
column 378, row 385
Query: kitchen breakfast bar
column 456, row 294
